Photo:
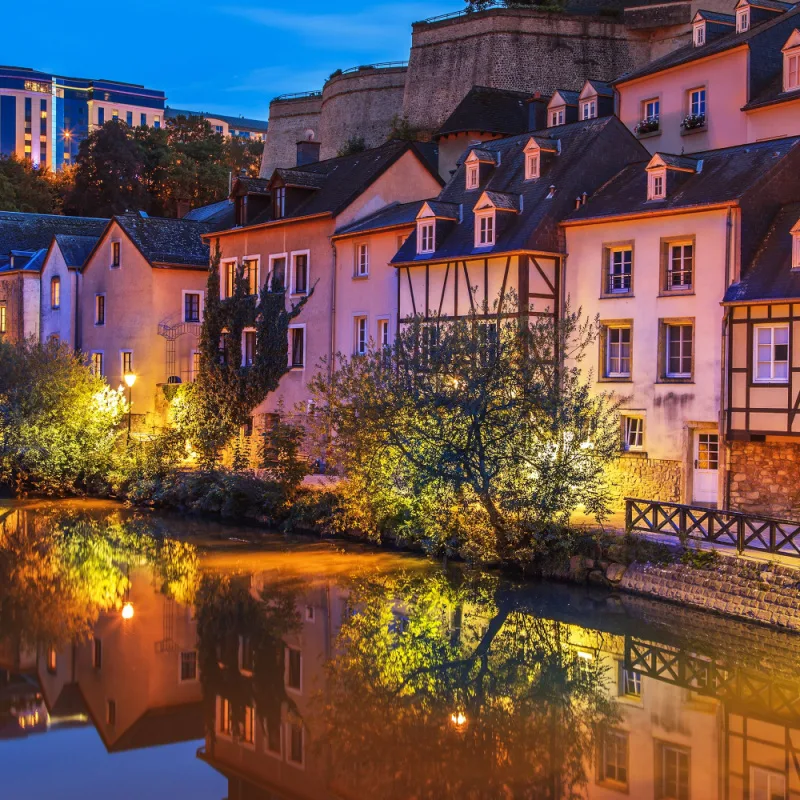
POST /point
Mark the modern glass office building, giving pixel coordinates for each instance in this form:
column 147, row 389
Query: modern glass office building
column 44, row 117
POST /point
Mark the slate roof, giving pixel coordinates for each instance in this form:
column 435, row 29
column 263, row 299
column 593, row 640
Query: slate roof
column 772, row 93
column 237, row 123
column 603, row 88
column 19, row 231
column 344, row 178
column 684, row 55
column 503, row 200
column 444, row 209
column 770, row 275
column 775, row 5
column 301, row 178
column 488, row 110
column 221, row 215
column 679, row 162
column 591, row 150
column 245, row 185
column 34, row 262
column 390, row 216
column 167, row 241
column 569, row 97
column 75, row 249
column 726, row 175
column 716, row 16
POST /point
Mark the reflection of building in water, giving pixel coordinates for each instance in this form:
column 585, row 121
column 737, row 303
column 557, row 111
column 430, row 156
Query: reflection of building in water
column 689, row 727
column 137, row 677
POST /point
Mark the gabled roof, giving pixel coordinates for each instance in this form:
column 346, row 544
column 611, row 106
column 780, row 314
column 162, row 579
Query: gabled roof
column 488, row 110
column 19, row 231
column 772, row 92
column 75, row 249
column 601, row 88
column 726, row 175
column 482, row 155
column 298, row 178
column 502, row 201
column 245, row 185
column 770, row 276
column 33, row 262
column 770, row 5
column 341, row 180
column 564, row 97
column 392, row 216
column 715, row 16
column 670, row 161
column 591, row 151
column 720, row 44
column 167, row 241
column 221, row 214
column 440, row 209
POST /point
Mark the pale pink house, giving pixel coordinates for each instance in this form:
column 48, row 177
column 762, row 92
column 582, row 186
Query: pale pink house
column 738, row 82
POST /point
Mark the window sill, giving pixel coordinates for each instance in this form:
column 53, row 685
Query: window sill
column 360, row 277
column 298, row 294
column 297, row 367
column 667, row 380
column 648, row 135
column 677, row 293
column 633, row 453
column 616, row 295
column 607, row 379
column 691, row 131
column 756, row 384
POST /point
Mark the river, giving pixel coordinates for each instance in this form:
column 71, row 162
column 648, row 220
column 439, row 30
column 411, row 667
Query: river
column 151, row 656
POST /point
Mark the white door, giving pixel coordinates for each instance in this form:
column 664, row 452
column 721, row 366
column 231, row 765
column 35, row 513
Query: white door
column 706, row 467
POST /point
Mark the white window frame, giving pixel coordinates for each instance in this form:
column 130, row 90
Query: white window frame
column 122, row 354
column 221, row 701
column 305, row 346
column 297, row 764
column 617, row 735
column 102, row 362
column 360, row 327
column 624, row 676
column 796, row 251
column 383, row 323
column 663, row 749
column 608, row 372
column 632, row 424
column 97, row 322
column 770, row 774
column 485, row 228
column 257, row 259
column 426, row 229
column 286, row 268
column 362, row 260
column 223, row 277
column 280, row 202
column 655, row 105
column 293, row 689
column 116, row 243
column 699, row 34
column 293, row 266
column 202, row 294
column 589, row 109
column 473, row 175
column 743, row 20
column 245, row 331
column 181, row 654
column 680, row 287
column 557, row 116
column 533, row 163
column 657, row 184
column 611, row 274
column 669, row 327
column 773, row 362
column 701, row 102
column 789, row 57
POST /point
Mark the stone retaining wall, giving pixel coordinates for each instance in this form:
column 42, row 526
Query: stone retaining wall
column 766, row 593
column 647, row 478
column 764, row 478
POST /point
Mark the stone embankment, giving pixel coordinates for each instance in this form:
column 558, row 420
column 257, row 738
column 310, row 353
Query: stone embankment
column 768, row 593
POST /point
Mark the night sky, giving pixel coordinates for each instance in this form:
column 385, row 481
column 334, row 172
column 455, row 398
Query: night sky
column 228, row 57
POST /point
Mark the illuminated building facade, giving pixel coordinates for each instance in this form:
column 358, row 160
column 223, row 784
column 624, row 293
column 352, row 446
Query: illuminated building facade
column 44, row 117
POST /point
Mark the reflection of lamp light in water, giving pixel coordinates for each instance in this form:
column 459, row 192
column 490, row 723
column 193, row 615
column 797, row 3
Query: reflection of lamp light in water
column 458, row 719
column 127, row 611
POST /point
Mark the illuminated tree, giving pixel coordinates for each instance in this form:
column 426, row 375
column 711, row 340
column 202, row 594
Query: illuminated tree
column 478, row 434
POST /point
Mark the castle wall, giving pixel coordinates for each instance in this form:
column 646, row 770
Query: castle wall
column 360, row 103
column 519, row 49
column 290, row 120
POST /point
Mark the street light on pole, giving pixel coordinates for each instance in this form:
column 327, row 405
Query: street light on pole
column 130, row 379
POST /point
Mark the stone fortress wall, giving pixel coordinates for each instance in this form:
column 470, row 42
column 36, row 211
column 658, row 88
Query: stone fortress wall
column 505, row 48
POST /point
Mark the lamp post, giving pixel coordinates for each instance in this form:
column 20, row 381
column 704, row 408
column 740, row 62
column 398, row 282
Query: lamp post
column 130, row 379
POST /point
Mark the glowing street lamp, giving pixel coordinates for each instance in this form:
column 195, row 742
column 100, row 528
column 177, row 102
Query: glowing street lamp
column 458, row 718
column 127, row 611
column 130, row 379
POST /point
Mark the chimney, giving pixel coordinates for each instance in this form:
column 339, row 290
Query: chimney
column 537, row 112
column 307, row 152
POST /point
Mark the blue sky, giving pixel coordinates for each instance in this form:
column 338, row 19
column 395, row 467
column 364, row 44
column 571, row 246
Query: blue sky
column 229, row 56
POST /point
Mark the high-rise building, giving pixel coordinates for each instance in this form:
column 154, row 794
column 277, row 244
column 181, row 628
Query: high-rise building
column 44, row 117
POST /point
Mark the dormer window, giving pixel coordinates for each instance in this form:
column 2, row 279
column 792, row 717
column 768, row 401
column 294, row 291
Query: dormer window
column 532, row 159
column 473, row 173
column 796, row 246
column 588, row 109
column 699, row 34
column 280, row 202
column 742, row 20
column 556, row 117
column 657, row 184
column 791, row 63
column 484, row 229
column 426, row 236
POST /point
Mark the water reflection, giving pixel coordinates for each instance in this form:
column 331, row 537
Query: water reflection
column 311, row 672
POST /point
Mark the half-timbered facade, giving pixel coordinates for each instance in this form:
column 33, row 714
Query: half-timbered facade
column 762, row 401
column 651, row 256
column 493, row 231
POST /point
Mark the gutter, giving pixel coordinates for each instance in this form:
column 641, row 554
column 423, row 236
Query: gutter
column 271, row 224
column 656, row 212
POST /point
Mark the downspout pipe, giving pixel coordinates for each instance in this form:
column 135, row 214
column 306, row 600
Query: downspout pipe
column 724, row 359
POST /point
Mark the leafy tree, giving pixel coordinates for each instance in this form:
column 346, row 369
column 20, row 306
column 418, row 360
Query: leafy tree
column 26, row 188
column 355, row 144
column 59, row 424
column 473, row 434
column 227, row 391
column 403, row 129
column 243, row 156
column 108, row 174
column 280, row 454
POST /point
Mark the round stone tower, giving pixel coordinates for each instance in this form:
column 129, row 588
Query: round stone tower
column 360, row 102
column 293, row 118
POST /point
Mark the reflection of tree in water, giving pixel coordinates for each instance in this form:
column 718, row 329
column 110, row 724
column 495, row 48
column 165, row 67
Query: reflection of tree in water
column 453, row 691
column 60, row 570
column 237, row 629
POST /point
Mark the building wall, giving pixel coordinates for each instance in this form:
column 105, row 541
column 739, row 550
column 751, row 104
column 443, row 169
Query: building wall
column 138, row 298
column 290, row 121
column 773, row 122
column 763, row 477
column 725, row 80
column 59, row 322
column 672, row 410
column 19, row 293
column 360, row 104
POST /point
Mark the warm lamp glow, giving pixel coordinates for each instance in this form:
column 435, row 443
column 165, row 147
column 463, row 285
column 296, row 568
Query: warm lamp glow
column 458, row 719
column 127, row 611
column 130, row 379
